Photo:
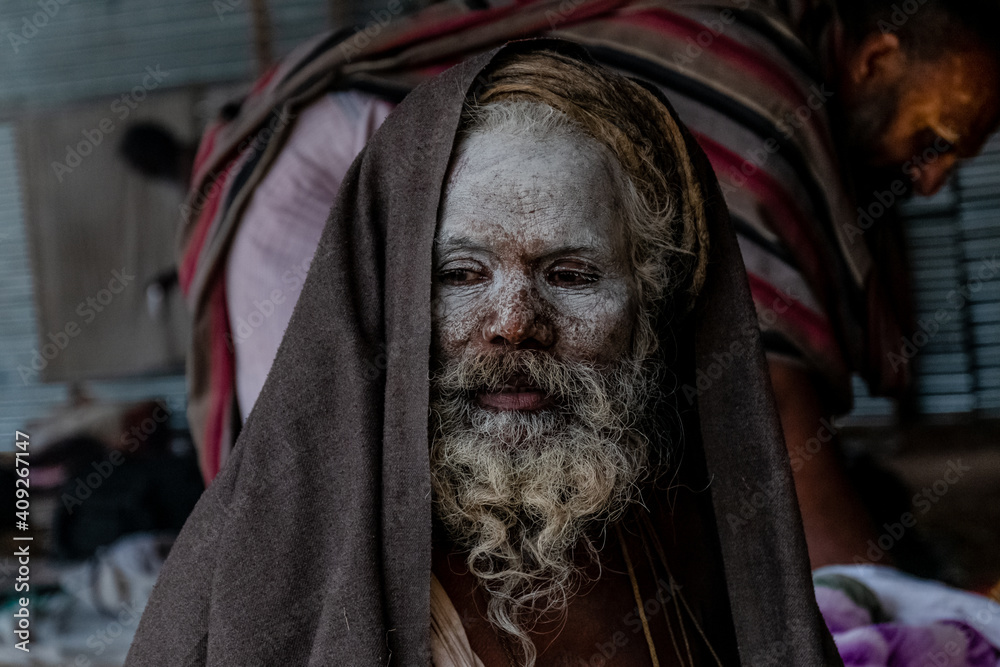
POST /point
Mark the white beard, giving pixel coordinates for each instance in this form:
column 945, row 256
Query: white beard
column 522, row 490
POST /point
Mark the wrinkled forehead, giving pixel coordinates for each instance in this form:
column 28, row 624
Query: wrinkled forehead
column 515, row 188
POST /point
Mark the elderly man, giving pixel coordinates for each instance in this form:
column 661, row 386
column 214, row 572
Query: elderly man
column 805, row 114
column 521, row 483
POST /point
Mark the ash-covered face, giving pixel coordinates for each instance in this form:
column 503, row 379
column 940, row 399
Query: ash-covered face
column 538, row 397
column 530, row 255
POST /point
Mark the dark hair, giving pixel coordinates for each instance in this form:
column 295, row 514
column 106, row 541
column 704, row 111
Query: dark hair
column 152, row 150
column 926, row 28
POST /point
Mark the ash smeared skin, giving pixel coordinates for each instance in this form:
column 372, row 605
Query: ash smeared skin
column 530, row 252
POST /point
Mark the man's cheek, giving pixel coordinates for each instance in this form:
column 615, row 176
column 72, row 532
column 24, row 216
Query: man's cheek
column 446, row 308
column 454, row 321
column 602, row 331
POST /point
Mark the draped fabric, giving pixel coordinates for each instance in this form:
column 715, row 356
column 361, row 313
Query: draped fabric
column 280, row 229
column 748, row 78
column 449, row 643
column 313, row 546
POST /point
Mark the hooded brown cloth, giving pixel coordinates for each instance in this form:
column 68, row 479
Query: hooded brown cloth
column 313, row 546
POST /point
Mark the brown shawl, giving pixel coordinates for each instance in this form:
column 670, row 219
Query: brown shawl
column 313, row 546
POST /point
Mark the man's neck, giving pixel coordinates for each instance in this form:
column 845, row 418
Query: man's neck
column 602, row 619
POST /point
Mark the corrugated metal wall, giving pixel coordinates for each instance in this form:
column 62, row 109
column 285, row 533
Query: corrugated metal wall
column 90, row 48
column 87, row 221
column 83, row 49
column 19, row 400
column 954, row 242
column 945, row 375
column 955, row 245
column 54, row 52
column 57, row 50
column 979, row 240
column 22, row 397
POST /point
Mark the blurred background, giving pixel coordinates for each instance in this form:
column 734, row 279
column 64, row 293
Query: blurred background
column 93, row 330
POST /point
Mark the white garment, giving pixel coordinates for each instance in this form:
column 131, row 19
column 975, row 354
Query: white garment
column 449, row 643
column 281, row 226
column 912, row 601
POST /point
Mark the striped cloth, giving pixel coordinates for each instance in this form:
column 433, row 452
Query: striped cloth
column 747, row 78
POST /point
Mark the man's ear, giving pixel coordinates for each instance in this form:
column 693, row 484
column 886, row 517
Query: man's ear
column 877, row 61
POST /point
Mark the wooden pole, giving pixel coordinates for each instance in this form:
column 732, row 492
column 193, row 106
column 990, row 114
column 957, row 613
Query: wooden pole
column 263, row 35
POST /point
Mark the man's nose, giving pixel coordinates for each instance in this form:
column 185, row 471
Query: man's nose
column 519, row 321
column 931, row 177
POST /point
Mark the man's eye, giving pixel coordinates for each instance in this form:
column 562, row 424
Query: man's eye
column 568, row 278
column 930, row 144
column 460, row 277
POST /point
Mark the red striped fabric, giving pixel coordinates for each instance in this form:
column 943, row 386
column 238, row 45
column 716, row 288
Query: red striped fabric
column 760, row 88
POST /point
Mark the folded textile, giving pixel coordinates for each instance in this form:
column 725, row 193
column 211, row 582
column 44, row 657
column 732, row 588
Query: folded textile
column 882, row 617
column 90, row 618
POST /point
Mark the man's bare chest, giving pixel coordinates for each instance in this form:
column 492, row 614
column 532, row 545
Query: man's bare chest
column 602, row 625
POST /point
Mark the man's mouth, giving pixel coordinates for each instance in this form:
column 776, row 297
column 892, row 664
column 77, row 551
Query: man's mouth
column 518, row 393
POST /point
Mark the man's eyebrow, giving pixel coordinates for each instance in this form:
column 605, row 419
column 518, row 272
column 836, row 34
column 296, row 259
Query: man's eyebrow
column 460, row 243
column 585, row 250
column 950, row 135
column 453, row 243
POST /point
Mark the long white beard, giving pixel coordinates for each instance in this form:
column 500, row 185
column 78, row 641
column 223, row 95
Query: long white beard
column 522, row 490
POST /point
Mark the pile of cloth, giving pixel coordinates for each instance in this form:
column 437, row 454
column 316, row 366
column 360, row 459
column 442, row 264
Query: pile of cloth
column 85, row 614
column 881, row 617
